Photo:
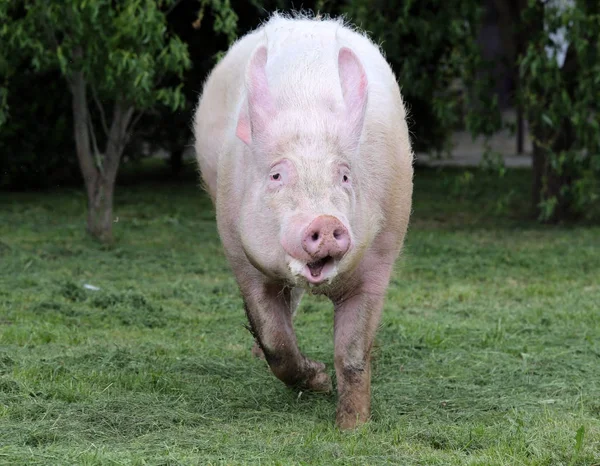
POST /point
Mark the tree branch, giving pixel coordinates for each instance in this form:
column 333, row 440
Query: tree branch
column 136, row 120
column 117, row 138
column 80, row 128
column 126, row 126
column 100, row 109
column 52, row 37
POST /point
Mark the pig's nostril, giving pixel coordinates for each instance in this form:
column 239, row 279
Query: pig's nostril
column 315, row 236
column 337, row 234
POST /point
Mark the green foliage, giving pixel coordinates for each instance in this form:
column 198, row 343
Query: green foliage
column 125, row 51
column 562, row 104
column 33, row 156
column 126, row 56
column 431, row 46
column 208, row 27
column 487, row 353
column 225, row 18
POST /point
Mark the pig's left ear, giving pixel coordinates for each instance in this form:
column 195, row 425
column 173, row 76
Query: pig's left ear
column 260, row 103
column 354, row 89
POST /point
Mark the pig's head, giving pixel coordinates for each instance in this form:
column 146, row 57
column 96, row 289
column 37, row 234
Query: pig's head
column 300, row 220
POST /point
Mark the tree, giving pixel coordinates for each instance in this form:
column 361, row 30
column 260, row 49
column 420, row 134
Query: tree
column 115, row 57
column 431, row 44
column 207, row 27
column 560, row 92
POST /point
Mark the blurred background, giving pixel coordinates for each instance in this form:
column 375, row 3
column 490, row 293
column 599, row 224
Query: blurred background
column 87, row 88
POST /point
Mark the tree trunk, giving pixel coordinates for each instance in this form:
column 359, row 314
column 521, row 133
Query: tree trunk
column 100, row 202
column 100, row 206
column 80, row 127
column 99, row 190
column 99, row 175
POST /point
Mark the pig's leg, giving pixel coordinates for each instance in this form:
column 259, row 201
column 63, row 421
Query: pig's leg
column 356, row 321
column 357, row 315
column 296, row 297
column 269, row 312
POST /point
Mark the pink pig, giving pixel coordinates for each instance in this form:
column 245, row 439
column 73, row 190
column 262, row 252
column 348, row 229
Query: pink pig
column 303, row 146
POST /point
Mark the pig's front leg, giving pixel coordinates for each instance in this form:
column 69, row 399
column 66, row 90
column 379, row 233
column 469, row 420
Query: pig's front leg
column 356, row 321
column 296, row 297
column 357, row 316
column 270, row 310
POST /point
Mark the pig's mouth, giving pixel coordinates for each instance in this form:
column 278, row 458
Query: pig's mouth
column 316, row 267
column 318, row 271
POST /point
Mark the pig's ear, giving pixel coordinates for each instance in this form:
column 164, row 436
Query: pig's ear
column 261, row 106
column 354, row 89
column 243, row 130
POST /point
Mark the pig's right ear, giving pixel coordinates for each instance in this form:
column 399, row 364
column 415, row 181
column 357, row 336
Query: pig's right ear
column 260, row 104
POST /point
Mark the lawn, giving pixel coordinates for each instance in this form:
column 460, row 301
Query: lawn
column 488, row 352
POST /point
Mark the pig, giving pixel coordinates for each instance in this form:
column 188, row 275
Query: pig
column 302, row 144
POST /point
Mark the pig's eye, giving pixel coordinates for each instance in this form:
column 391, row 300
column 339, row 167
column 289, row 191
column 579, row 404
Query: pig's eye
column 345, row 177
column 279, row 175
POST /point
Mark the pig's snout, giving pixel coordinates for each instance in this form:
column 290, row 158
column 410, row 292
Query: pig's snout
column 326, row 236
column 315, row 252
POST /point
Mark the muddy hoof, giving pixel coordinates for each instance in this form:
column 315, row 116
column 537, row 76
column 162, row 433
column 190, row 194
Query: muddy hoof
column 348, row 417
column 319, row 383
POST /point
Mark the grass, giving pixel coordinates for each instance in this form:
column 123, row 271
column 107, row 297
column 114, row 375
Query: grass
column 488, row 352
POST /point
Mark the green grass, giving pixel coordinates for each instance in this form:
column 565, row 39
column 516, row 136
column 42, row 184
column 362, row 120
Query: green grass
column 488, row 352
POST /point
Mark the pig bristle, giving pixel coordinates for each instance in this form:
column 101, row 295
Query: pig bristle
column 309, row 15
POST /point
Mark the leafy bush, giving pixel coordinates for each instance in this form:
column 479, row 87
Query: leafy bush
column 562, row 105
column 430, row 45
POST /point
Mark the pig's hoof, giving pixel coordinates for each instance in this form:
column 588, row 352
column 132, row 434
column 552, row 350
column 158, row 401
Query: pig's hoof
column 256, row 351
column 318, row 380
column 320, row 383
column 348, row 418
